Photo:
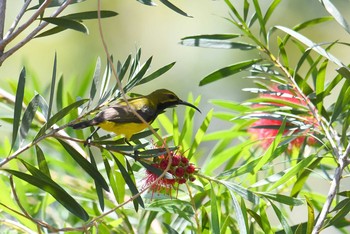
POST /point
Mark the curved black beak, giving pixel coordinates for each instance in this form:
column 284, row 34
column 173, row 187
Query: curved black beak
column 188, row 104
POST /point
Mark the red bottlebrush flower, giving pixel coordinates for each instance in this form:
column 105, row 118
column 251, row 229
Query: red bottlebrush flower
column 180, row 169
column 179, row 172
column 266, row 129
column 176, row 160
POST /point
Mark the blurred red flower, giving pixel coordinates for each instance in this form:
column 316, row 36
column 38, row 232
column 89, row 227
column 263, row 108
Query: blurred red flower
column 181, row 170
column 266, row 129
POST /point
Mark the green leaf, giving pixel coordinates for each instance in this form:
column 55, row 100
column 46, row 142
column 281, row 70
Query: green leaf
column 312, row 45
column 302, row 177
column 56, row 3
column 59, row 115
column 262, row 22
column 241, row 191
column 28, row 117
column 310, row 216
column 215, row 224
column 212, row 37
column 340, row 102
column 117, row 187
column 147, row 2
column 59, row 94
column 291, row 201
column 156, row 74
column 169, row 229
column 293, row 171
column 129, row 181
column 174, row 8
column 200, row 134
column 282, row 219
column 85, row 164
column 216, row 44
column 266, row 226
column 52, row 90
column 45, row 183
column 43, row 106
column 95, row 79
column 342, row 209
column 336, row 14
column 241, row 213
column 99, row 190
column 51, row 31
column 320, row 82
column 90, row 15
column 124, row 68
column 269, row 153
column 42, row 164
column 67, row 23
column 136, row 78
column 18, row 106
column 227, row 71
column 271, row 9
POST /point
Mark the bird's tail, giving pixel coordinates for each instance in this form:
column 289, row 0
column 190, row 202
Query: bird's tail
column 83, row 124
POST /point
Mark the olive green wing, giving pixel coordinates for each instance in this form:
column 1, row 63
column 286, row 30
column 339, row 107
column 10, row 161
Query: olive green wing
column 123, row 114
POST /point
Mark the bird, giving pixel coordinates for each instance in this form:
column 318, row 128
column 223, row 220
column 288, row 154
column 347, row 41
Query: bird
column 119, row 119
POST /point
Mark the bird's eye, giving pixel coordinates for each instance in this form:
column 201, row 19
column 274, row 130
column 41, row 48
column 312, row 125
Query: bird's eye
column 171, row 97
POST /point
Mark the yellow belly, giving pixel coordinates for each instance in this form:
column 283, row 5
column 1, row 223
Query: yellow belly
column 126, row 129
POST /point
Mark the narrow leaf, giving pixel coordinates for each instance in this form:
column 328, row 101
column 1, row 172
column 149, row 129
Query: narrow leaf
column 51, row 31
column 282, row 219
column 42, row 164
column 240, row 214
column 312, row 45
column 59, row 94
column 216, row 44
column 47, row 184
column 292, row 172
column 18, row 105
column 157, row 73
column 129, row 181
column 53, row 83
column 28, row 117
column 215, row 224
column 59, row 115
column 90, row 15
column 336, row 14
column 174, row 8
column 95, row 79
column 68, row 24
column 99, row 190
column 310, row 216
column 320, row 82
column 291, row 201
column 85, row 164
column 227, row 71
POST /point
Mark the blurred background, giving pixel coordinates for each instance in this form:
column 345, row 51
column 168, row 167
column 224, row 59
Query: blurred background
column 157, row 31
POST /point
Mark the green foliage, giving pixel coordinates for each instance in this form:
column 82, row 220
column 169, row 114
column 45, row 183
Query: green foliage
column 264, row 165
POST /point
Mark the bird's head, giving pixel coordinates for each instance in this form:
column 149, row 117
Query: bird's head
column 165, row 99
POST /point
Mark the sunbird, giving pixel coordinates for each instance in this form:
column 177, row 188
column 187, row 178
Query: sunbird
column 119, row 118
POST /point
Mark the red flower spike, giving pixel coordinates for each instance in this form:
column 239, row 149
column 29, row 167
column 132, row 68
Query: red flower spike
column 179, row 172
column 184, row 160
column 175, row 160
column 181, row 181
column 267, row 134
column 190, row 169
column 180, row 169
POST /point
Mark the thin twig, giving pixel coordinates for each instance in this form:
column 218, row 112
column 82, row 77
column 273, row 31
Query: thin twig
column 331, row 194
column 31, row 35
column 2, row 20
column 18, row 18
column 21, row 28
